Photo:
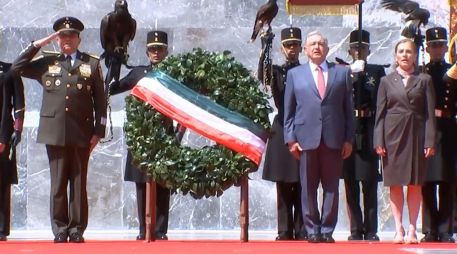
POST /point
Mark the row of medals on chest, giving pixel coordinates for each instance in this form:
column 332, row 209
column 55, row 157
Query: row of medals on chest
column 54, row 70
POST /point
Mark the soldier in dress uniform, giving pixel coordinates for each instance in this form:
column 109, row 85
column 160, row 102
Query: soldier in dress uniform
column 280, row 166
column 72, row 121
column 362, row 166
column 12, row 103
column 437, row 191
column 156, row 50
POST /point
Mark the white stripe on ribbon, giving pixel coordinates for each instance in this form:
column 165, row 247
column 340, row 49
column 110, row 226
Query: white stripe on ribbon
column 187, row 107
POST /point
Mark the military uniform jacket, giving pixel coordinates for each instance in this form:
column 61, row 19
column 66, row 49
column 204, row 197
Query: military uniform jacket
column 12, row 98
column 279, row 164
column 441, row 167
column 129, row 81
column 74, row 103
column 362, row 165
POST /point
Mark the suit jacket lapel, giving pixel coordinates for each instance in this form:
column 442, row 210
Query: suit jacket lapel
column 309, row 78
column 63, row 63
column 397, row 81
column 330, row 78
column 77, row 62
column 412, row 82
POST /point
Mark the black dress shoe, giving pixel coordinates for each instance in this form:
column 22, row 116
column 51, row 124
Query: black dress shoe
column 314, row 238
column 355, row 237
column 3, row 238
column 301, row 237
column 284, row 237
column 372, row 237
column 429, row 238
column 140, row 237
column 446, row 238
column 76, row 238
column 327, row 238
column 161, row 236
column 60, row 238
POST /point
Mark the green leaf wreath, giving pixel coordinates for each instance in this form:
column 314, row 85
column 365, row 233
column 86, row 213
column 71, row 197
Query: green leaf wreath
column 210, row 170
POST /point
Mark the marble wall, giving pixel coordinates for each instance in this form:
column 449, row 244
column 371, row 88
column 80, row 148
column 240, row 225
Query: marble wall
column 213, row 25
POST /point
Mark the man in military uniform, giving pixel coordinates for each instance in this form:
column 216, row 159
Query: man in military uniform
column 437, row 191
column 12, row 98
column 362, row 166
column 280, row 166
column 156, row 50
column 72, row 121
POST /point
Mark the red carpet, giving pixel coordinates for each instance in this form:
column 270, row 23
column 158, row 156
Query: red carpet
column 219, row 247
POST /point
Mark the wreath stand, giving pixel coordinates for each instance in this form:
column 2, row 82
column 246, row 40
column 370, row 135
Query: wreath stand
column 151, row 210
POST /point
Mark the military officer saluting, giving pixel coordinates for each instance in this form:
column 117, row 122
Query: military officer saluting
column 156, row 50
column 72, row 121
column 280, row 166
column 361, row 168
column 438, row 202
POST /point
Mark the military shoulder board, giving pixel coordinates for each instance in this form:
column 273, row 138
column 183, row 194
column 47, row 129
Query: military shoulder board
column 94, row 56
column 49, row 52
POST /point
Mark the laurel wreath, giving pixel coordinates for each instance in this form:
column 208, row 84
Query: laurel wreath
column 210, row 170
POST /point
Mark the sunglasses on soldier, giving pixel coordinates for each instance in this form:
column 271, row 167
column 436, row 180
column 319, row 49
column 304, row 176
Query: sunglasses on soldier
column 291, row 44
column 436, row 44
column 156, row 47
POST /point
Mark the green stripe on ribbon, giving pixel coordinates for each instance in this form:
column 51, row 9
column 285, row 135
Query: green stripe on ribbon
column 207, row 104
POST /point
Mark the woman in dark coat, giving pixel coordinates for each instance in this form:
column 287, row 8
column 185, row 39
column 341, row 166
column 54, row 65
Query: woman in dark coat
column 404, row 134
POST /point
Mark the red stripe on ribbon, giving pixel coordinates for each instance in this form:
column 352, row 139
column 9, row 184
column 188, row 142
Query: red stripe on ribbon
column 200, row 127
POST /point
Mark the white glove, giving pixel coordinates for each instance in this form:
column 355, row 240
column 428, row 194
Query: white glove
column 357, row 66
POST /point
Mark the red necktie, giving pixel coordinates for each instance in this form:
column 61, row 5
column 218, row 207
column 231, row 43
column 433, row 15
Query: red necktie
column 320, row 82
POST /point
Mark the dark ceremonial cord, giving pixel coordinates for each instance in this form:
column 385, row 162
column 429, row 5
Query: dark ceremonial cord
column 267, row 63
column 108, row 104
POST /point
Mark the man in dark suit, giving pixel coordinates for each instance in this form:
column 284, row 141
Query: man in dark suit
column 279, row 165
column 362, row 166
column 318, row 128
column 12, row 103
column 437, row 191
column 72, row 121
column 156, row 50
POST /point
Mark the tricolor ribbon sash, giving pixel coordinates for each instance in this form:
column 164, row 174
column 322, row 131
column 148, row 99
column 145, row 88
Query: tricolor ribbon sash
column 202, row 115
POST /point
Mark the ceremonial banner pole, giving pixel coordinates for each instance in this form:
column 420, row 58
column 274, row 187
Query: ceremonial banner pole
column 359, row 49
column 452, row 30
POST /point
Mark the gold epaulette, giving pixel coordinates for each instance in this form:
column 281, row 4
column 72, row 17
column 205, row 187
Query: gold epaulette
column 49, row 52
column 452, row 72
column 44, row 53
column 38, row 57
column 94, row 56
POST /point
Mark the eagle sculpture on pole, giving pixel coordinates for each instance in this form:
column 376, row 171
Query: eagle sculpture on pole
column 265, row 15
column 117, row 29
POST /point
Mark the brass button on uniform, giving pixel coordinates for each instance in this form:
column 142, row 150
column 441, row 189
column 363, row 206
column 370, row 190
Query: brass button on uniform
column 69, row 74
column 68, row 85
column 66, row 109
column 66, row 97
